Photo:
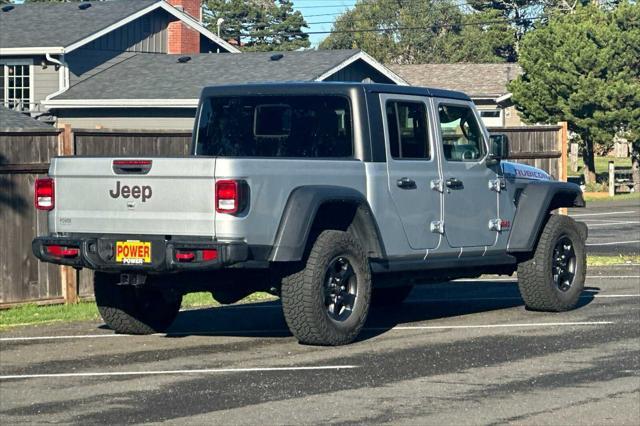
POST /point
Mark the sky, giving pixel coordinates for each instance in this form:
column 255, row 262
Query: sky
column 320, row 14
column 327, row 9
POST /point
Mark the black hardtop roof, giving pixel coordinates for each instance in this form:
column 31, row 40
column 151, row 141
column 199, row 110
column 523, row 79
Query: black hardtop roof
column 315, row 88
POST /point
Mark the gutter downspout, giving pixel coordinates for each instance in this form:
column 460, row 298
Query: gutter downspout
column 64, row 78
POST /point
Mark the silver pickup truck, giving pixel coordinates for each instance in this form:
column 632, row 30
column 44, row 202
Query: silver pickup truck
column 332, row 196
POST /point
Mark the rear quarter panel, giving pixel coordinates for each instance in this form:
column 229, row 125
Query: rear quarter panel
column 271, row 181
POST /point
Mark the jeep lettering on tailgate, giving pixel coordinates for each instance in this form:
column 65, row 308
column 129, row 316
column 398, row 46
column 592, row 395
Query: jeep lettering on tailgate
column 131, row 191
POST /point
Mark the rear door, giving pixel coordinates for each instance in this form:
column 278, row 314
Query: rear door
column 412, row 167
column 152, row 196
column 469, row 202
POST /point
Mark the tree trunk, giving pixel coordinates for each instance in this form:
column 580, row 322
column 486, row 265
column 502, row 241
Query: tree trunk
column 589, row 161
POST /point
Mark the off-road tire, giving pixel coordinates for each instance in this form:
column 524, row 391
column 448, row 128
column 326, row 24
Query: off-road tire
column 535, row 277
column 130, row 310
column 303, row 292
column 390, row 296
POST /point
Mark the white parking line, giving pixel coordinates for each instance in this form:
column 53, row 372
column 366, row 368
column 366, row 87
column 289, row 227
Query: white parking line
column 589, row 220
column 515, row 280
column 476, row 299
column 603, row 214
column 600, row 225
column 226, row 332
column 613, row 243
column 539, row 324
column 166, row 372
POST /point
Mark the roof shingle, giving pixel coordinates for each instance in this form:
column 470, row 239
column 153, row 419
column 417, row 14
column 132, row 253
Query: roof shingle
column 153, row 76
column 61, row 24
column 14, row 120
column 476, row 80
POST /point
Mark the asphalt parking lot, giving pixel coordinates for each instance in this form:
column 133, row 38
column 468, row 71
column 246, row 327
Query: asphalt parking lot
column 465, row 352
column 614, row 227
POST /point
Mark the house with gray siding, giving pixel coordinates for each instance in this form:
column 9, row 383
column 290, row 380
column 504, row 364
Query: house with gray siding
column 144, row 91
column 140, row 64
column 46, row 48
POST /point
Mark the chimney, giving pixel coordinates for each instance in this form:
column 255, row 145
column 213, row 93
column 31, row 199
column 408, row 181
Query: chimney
column 181, row 39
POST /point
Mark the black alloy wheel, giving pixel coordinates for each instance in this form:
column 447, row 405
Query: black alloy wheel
column 564, row 263
column 341, row 289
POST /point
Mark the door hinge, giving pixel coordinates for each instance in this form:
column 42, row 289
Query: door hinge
column 437, row 227
column 497, row 184
column 437, row 185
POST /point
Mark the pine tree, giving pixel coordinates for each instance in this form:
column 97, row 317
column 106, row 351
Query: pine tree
column 584, row 68
column 258, row 25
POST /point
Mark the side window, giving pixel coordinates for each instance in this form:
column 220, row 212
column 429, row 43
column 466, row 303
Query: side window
column 462, row 137
column 408, row 130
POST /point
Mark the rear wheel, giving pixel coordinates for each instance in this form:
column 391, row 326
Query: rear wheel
column 553, row 279
column 133, row 310
column 327, row 302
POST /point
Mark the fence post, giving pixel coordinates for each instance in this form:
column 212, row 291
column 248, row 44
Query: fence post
column 563, row 139
column 573, row 157
column 612, row 178
column 68, row 274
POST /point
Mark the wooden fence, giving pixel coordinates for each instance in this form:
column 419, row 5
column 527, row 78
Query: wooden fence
column 544, row 147
column 25, row 155
column 108, row 142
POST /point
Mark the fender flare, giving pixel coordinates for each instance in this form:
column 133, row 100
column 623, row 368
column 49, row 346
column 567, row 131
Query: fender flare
column 300, row 213
column 536, row 201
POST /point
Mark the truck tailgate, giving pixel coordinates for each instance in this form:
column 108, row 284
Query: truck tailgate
column 174, row 197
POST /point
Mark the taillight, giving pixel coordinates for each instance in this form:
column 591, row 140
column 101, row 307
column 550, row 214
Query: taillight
column 45, row 194
column 185, row 256
column 62, row 251
column 228, row 196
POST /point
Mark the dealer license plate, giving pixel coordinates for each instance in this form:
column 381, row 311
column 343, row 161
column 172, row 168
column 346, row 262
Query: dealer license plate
column 133, row 252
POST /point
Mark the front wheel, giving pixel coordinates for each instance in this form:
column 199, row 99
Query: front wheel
column 327, row 302
column 133, row 310
column 553, row 279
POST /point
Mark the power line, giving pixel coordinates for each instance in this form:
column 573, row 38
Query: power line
column 433, row 27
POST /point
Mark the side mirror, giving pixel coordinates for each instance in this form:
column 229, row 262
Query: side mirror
column 499, row 147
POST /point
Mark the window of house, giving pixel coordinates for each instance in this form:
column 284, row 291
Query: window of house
column 408, row 130
column 15, row 86
column 491, row 117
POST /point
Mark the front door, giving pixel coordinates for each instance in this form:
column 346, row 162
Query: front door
column 412, row 166
column 469, row 203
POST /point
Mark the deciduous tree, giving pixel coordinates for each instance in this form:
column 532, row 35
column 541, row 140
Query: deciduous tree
column 410, row 31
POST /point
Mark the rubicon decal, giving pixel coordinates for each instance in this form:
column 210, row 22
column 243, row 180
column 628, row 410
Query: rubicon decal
column 135, row 191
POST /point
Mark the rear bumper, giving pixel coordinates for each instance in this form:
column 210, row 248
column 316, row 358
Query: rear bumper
column 97, row 252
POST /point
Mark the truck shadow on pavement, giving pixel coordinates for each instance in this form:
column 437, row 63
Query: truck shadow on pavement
column 426, row 302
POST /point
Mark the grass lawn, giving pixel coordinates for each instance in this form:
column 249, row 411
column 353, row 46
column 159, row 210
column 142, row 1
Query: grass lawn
column 618, row 197
column 32, row 314
column 602, row 166
column 602, row 178
column 612, row 260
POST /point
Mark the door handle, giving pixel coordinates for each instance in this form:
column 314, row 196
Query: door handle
column 406, row 183
column 454, row 183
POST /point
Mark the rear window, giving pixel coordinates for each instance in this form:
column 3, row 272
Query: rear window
column 275, row 126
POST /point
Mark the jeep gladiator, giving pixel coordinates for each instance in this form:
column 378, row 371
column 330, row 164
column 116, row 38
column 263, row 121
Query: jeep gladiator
column 332, row 196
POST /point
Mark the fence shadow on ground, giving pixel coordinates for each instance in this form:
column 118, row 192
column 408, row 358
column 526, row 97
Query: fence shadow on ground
column 427, row 302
